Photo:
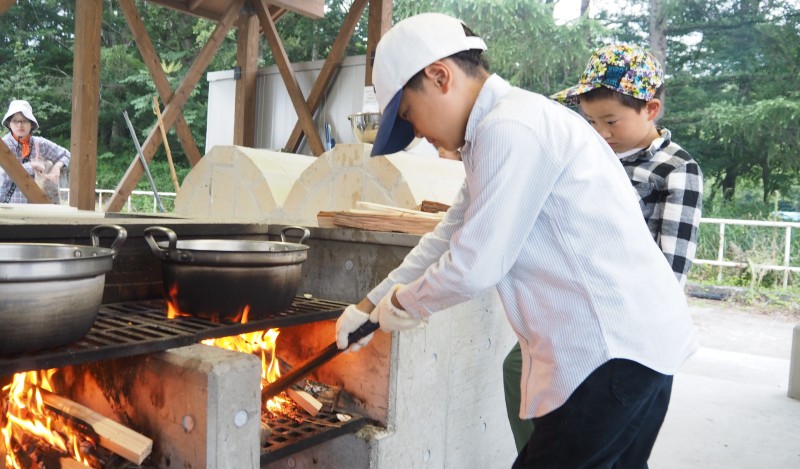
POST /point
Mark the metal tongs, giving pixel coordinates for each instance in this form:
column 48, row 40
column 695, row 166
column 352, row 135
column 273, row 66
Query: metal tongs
column 317, row 360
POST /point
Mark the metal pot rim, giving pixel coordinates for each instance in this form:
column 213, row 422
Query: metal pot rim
column 27, row 262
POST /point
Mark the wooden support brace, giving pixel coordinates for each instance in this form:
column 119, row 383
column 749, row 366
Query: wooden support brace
column 172, row 108
column 329, row 68
column 20, row 176
column 304, row 116
column 164, row 89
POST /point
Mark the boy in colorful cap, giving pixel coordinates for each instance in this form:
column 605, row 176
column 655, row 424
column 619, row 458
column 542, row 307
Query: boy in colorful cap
column 547, row 216
column 620, row 95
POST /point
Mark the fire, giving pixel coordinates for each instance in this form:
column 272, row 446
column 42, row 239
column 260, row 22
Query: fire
column 260, row 343
column 173, row 311
column 28, row 416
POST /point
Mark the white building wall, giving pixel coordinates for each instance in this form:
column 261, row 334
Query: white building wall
column 275, row 114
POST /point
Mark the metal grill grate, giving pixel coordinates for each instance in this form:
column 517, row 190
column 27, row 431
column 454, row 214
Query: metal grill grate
column 289, row 436
column 134, row 328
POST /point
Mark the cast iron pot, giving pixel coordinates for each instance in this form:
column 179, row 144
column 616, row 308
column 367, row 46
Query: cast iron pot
column 50, row 293
column 217, row 278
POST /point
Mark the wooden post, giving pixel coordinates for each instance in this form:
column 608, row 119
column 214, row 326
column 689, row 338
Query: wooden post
column 5, row 5
column 380, row 20
column 304, row 116
column 332, row 64
column 172, row 108
column 247, row 53
column 85, row 103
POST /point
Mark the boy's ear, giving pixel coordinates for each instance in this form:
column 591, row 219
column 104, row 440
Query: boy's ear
column 653, row 108
column 440, row 74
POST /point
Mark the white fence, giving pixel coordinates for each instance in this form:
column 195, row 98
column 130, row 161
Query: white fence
column 101, row 193
column 787, row 248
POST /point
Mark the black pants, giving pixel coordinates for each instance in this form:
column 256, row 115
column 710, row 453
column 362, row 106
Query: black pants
column 610, row 421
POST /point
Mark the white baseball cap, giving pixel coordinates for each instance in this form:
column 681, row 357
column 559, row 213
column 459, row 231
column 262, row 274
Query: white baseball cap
column 408, row 47
column 20, row 105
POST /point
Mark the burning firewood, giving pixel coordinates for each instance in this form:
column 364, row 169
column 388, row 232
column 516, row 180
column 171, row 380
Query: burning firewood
column 32, row 452
column 113, row 436
column 305, row 400
column 72, row 464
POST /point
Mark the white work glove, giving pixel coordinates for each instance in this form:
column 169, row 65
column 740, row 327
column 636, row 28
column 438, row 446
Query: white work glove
column 390, row 317
column 351, row 319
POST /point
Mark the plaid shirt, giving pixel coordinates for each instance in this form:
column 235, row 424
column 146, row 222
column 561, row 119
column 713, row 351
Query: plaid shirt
column 670, row 187
column 46, row 150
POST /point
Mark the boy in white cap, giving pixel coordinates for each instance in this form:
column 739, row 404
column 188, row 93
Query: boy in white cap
column 547, row 216
column 43, row 159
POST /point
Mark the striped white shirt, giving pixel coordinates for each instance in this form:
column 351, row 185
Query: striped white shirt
column 547, row 215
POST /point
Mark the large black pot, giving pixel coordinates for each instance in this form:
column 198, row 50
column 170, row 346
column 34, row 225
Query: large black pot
column 50, row 293
column 218, row 278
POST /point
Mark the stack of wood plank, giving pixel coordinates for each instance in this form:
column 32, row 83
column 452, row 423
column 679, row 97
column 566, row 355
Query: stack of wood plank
column 377, row 217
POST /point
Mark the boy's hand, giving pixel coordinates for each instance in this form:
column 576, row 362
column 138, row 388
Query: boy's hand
column 351, row 319
column 390, row 317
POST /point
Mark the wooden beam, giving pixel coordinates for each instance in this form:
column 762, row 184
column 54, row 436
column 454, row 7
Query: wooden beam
column 191, row 9
column 380, row 20
column 172, row 108
column 85, row 103
column 277, row 12
column 332, row 64
column 304, row 116
column 247, row 53
column 195, row 4
column 164, row 89
column 312, row 8
column 20, row 176
column 5, row 5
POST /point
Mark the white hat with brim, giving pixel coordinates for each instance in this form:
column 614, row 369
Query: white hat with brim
column 20, row 105
column 410, row 46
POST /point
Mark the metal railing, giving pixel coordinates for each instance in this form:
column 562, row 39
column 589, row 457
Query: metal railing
column 721, row 262
column 128, row 203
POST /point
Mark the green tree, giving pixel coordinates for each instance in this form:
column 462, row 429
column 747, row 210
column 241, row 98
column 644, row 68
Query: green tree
column 731, row 74
column 525, row 45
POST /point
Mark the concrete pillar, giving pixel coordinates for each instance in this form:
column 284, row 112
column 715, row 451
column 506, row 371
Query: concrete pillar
column 201, row 405
column 794, row 365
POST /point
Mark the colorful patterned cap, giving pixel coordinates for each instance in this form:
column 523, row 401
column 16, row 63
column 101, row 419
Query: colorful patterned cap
column 623, row 68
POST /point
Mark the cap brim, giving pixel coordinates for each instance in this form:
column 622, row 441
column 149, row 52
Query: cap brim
column 394, row 133
column 570, row 95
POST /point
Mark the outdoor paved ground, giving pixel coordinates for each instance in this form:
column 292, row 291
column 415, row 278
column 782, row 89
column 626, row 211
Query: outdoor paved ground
column 730, row 408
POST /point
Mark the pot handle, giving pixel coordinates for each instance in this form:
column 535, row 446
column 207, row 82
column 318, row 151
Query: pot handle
column 303, row 238
column 171, row 252
column 122, row 235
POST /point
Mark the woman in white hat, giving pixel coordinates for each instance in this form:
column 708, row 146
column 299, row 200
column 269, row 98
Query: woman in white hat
column 43, row 159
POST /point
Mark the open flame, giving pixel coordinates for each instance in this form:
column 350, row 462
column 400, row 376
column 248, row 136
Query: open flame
column 173, row 311
column 261, row 343
column 27, row 416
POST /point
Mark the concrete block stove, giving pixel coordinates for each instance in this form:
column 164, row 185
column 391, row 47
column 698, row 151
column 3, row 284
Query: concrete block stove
column 434, row 396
